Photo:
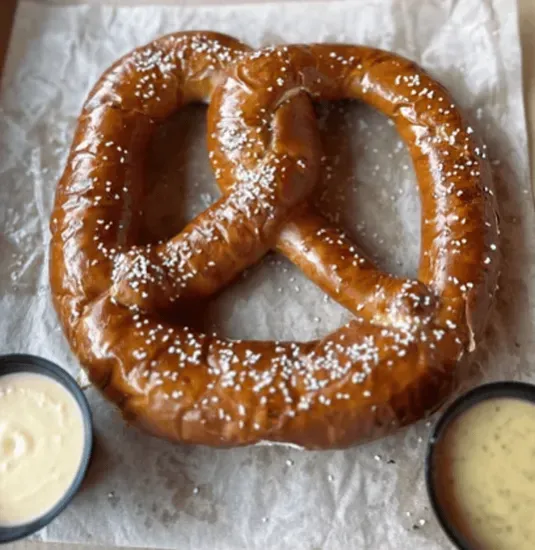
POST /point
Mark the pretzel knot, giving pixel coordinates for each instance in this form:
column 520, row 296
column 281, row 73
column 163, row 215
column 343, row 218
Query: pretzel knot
column 392, row 364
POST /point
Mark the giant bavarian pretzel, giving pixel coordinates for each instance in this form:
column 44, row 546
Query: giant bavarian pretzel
column 393, row 363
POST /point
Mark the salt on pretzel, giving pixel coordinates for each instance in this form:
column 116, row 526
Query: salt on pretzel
column 392, row 364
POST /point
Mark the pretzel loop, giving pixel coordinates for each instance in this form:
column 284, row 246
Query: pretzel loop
column 452, row 175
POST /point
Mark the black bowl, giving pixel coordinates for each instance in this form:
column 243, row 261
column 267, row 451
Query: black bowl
column 516, row 390
column 10, row 364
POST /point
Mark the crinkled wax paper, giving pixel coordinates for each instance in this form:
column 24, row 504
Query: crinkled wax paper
column 145, row 492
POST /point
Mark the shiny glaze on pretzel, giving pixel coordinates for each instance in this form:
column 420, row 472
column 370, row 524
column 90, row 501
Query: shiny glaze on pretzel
column 392, row 364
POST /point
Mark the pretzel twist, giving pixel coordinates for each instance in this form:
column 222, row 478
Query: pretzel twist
column 392, row 364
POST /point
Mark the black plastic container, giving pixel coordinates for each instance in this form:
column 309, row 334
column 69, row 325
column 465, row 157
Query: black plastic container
column 514, row 390
column 10, row 364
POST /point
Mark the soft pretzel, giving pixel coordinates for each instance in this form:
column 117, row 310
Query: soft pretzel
column 392, row 364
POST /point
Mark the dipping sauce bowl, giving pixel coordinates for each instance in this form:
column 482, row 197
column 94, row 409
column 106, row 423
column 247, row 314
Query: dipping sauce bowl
column 46, row 440
column 480, row 468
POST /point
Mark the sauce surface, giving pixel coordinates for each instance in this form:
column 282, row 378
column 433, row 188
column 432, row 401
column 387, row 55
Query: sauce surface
column 484, row 470
column 41, row 445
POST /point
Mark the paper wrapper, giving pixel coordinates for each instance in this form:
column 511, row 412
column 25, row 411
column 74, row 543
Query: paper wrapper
column 144, row 492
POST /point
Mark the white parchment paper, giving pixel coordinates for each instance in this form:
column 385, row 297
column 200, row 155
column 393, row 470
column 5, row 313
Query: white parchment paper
column 145, row 492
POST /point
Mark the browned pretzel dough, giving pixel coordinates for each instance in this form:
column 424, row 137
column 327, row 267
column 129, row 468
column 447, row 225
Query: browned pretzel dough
column 395, row 362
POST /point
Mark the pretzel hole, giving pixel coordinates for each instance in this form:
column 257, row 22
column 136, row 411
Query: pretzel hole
column 368, row 179
column 179, row 182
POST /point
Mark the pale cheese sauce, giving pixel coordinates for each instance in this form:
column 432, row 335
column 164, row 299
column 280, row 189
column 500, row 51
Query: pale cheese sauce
column 485, row 474
column 41, row 445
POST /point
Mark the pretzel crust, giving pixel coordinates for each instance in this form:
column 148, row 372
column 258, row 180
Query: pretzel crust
column 395, row 362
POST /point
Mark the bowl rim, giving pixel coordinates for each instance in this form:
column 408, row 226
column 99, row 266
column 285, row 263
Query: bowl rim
column 492, row 390
column 19, row 362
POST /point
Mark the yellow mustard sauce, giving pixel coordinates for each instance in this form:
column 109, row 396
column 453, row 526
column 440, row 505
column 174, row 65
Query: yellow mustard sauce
column 484, row 471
